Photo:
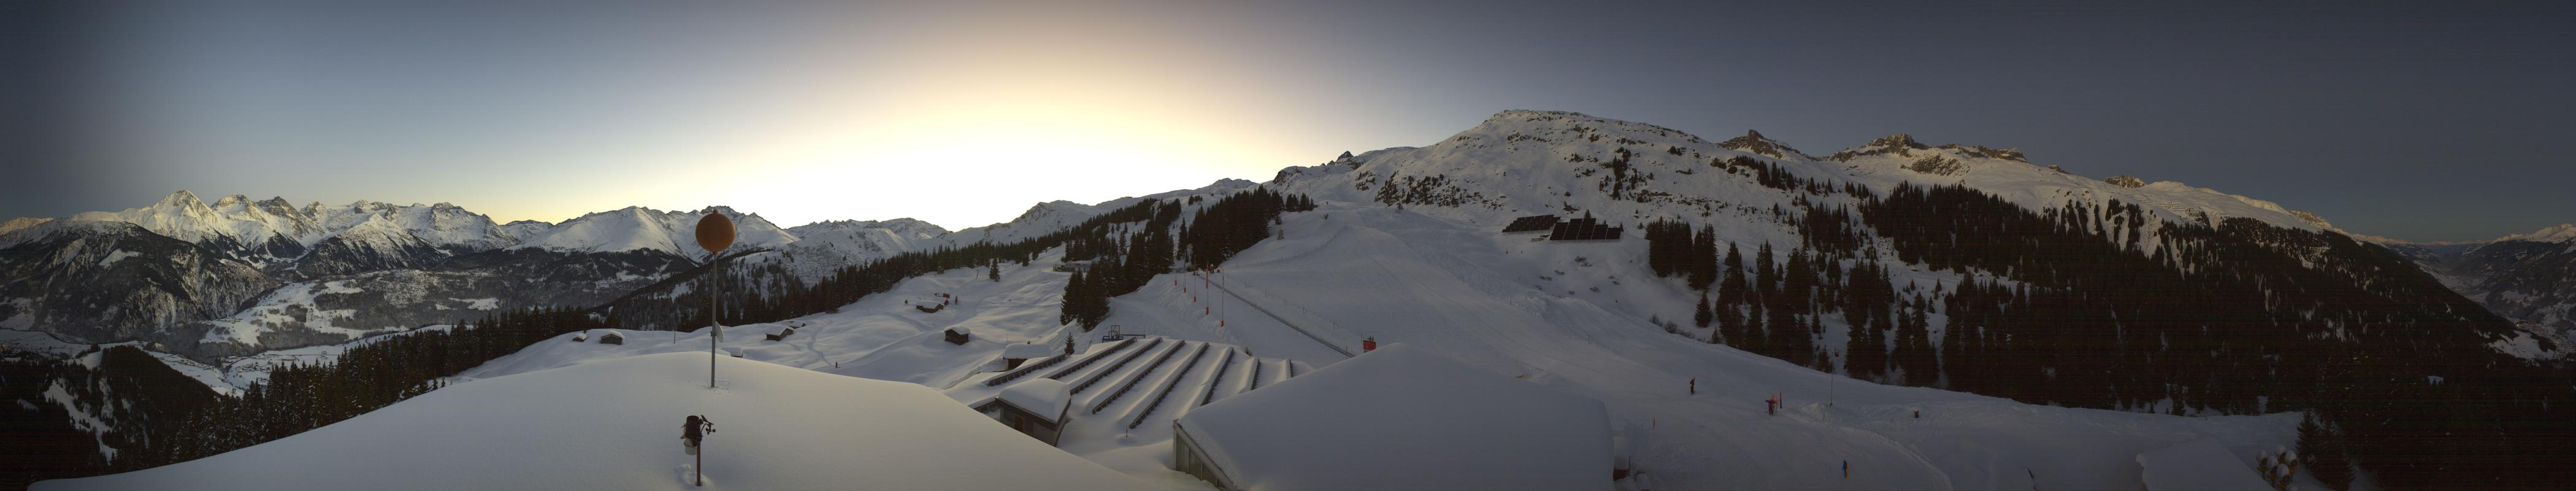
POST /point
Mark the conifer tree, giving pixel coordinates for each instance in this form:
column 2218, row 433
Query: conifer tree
column 1704, row 315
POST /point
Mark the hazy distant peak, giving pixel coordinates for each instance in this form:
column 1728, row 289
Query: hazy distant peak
column 2564, row 232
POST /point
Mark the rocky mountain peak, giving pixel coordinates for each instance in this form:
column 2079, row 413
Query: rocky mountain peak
column 1754, row 142
column 181, row 199
column 1899, row 140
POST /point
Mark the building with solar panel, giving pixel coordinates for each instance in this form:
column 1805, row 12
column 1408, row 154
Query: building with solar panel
column 1586, row 228
column 1531, row 224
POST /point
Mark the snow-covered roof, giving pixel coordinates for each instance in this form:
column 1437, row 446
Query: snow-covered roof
column 1401, row 418
column 1045, row 396
column 2201, row 465
column 1026, row 351
column 615, row 425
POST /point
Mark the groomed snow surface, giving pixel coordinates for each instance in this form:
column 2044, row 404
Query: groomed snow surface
column 2201, row 465
column 1402, row 419
column 615, row 425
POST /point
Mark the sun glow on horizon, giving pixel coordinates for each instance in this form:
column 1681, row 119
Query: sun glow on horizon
column 969, row 124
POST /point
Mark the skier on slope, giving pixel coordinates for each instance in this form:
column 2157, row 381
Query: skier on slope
column 1694, row 386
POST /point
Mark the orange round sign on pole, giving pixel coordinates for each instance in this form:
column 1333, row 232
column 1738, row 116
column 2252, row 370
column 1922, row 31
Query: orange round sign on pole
column 715, row 232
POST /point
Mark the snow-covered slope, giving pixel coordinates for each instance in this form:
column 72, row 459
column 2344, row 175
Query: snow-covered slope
column 2009, row 175
column 1449, row 287
column 614, row 425
column 1520, row 163
column 880, row 337
column 376, row 242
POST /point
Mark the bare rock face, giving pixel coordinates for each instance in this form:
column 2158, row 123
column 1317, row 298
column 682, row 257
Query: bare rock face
column 1753, row 142
column 1938, row 165
column 2126, row 181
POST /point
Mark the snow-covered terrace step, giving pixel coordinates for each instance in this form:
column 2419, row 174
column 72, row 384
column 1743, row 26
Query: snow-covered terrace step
column 1087, row 361
column 1166, row 393
column 1122, row 362
column 1217, row 379
column 1025, row 370
column 1252, row 380
column 1139, row 376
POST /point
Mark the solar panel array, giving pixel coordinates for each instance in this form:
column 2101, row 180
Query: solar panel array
column 1583, row 229
column 1531, row 224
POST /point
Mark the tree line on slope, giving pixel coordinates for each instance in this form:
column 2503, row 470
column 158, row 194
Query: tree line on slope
column 2073, row 306
column 1123, row 259
column 152, row 415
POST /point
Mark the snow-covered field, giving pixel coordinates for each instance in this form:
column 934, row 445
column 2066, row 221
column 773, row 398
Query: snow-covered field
column 880, row 337
column 1464, row 293
column 614, row 425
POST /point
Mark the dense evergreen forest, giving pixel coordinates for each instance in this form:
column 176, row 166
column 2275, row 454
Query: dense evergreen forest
column 2071, row 306
column 153, row 415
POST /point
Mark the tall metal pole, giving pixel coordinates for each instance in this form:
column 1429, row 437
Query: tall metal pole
column 715, row 233
column 715, row 326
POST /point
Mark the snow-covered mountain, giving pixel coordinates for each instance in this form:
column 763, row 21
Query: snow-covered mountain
column 441, row 225
column 822, row 247
column 16, row 224
column 635, row 227
column 1519, row 163
column 255, row 275
column 2529, row 277
column 101, row 281
column 264, row 233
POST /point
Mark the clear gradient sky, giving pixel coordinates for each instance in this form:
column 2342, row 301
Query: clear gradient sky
column 2422, row 121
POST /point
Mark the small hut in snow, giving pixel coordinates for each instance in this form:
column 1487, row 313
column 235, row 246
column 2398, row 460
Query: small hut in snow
column 1035, row 407
column 612, row 338
column 1015, row 354
column 1397, row 418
